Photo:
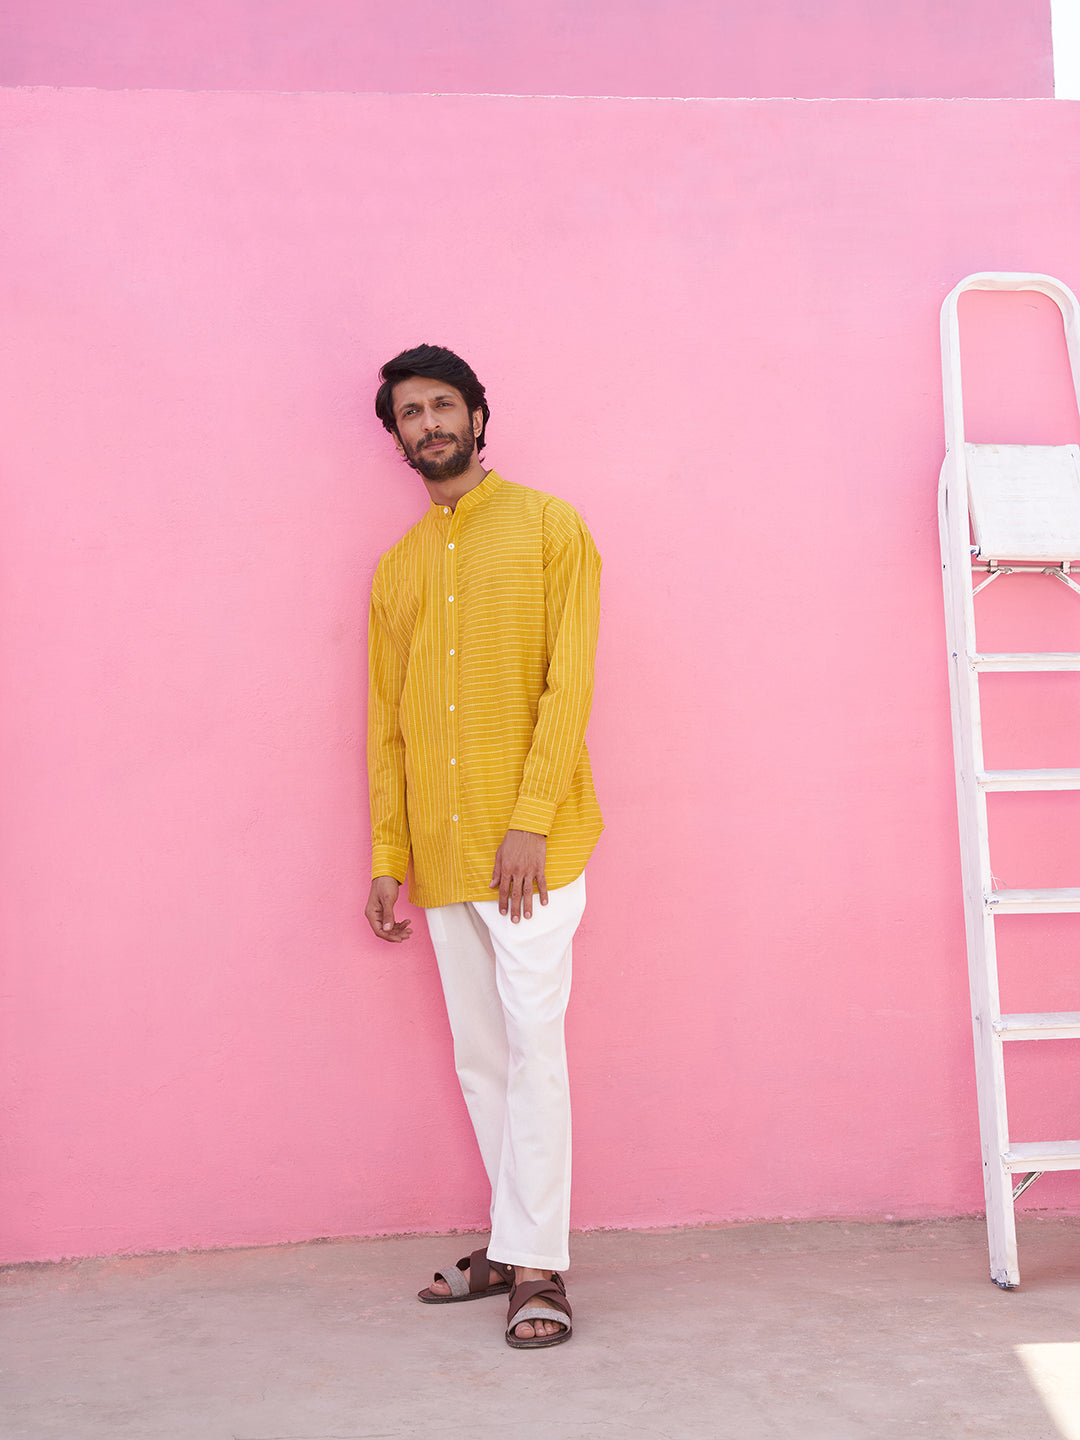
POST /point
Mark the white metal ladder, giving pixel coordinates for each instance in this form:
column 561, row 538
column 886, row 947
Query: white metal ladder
column 1002, row 510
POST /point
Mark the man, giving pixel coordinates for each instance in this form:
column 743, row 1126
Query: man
column 482, row 641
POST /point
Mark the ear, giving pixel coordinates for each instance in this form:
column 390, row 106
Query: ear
column 477, row 423
column 397, row 443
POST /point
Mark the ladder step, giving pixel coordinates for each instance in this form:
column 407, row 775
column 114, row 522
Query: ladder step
column 1052, row 660
column 1051, row 1025
column 1043, row 1155
column 1033, row 902
column 1028, row 779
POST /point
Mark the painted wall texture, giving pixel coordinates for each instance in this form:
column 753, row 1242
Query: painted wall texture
column 527, row 47
column 713, row 327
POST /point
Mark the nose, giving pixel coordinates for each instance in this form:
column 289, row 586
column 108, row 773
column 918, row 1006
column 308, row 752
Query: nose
column 431, row 420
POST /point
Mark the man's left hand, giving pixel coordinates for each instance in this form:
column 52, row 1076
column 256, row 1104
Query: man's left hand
column 519, row 863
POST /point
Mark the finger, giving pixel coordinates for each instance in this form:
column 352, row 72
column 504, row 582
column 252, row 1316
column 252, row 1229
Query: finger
column 515, row 901
column 496, row 874
column 527, row 898
column 541, row 885
column 505, row 883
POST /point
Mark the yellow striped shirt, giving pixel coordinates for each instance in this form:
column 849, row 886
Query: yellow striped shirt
column 482, row 641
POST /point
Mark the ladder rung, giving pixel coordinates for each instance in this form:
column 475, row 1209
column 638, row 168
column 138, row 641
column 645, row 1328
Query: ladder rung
column 1028, row 779
column 1050, row 1025
column 1052, row 660
column 1033, row 902
column 1043, row 1155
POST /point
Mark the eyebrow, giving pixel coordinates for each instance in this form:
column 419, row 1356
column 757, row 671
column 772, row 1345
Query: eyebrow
column 442, row 395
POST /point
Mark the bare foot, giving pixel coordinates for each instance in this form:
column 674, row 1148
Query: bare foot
column 440, row 1287
column 497, row 1279
column 537, row 1329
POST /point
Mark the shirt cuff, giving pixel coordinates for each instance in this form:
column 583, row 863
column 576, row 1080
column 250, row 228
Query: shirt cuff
column 389, row 860
column 537, row 816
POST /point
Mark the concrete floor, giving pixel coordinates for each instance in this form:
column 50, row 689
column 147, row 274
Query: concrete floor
column 814, row 1331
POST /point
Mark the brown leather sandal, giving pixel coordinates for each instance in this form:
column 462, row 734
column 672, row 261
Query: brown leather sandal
column 473, row 1286
column 524, row 1305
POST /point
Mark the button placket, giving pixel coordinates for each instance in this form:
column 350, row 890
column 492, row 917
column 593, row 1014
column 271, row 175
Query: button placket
column 452, row 610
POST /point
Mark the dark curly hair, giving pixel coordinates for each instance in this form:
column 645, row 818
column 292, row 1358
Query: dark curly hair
column 431, row 362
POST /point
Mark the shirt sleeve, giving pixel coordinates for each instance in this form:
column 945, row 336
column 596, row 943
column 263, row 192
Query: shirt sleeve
column 386, row 746
column 572, row 604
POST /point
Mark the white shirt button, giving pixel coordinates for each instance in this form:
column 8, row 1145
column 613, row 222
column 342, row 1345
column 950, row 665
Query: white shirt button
column 453, row 707
column 446, row 509
column 450, row 546
column 453, row 761
column 449, row 599
column 453, row 817
column 452, row 652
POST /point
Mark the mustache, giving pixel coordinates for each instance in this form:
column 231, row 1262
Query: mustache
column 439, row 439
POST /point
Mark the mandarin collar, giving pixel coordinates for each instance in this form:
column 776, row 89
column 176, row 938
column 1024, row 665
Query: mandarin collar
column 471, row 499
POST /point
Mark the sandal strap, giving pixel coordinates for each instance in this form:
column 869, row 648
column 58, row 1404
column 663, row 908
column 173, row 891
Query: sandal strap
column 482, row 1274
column 537, row 1312
column 455, row 1278
column 553, row 1291
column 504, row 1272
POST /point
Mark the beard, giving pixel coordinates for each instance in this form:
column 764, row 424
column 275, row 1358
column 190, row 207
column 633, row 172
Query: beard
column 450, row 463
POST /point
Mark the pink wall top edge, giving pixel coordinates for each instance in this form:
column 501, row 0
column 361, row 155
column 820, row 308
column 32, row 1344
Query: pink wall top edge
column 605, row 47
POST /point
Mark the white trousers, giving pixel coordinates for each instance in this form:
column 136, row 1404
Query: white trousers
column 506, row 989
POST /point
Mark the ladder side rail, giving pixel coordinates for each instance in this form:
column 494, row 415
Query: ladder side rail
column 975, row 867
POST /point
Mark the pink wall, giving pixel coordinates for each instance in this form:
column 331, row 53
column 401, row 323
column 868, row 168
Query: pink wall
column 552, row 47
column 737, row 383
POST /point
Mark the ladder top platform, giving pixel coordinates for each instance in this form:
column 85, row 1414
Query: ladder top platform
column 1024, row 501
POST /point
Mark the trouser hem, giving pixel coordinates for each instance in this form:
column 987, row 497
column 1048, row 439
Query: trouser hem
column 531, row 1262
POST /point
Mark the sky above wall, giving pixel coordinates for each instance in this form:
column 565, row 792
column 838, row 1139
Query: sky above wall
column 1065, row 19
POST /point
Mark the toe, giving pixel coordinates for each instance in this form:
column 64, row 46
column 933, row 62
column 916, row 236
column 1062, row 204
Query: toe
column 437, row 1287
column 537, row 1329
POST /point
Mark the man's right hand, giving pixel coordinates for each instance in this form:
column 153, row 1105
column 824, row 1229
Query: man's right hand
column 380, row 910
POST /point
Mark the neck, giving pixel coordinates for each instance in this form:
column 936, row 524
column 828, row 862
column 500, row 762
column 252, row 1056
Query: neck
column 449, row 492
